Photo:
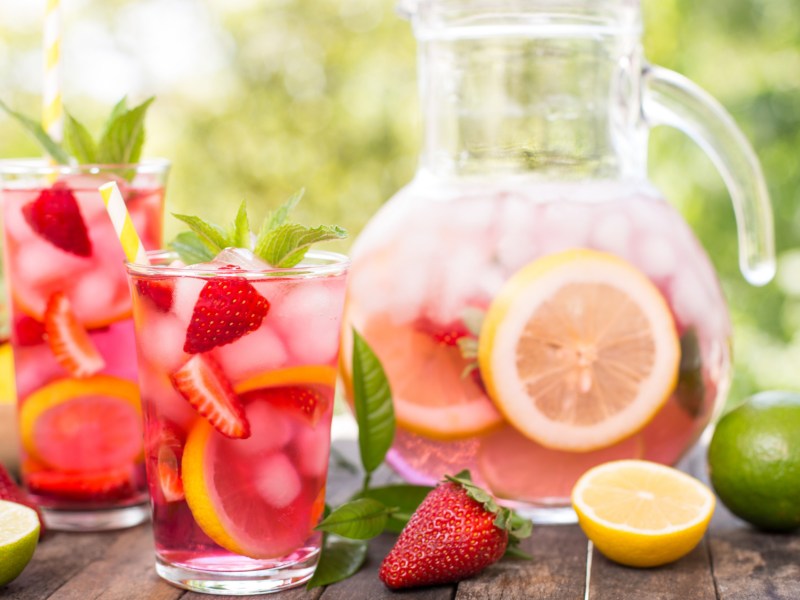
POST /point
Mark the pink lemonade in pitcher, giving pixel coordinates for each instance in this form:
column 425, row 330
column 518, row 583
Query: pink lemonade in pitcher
column 73, row 340
column 237, row 373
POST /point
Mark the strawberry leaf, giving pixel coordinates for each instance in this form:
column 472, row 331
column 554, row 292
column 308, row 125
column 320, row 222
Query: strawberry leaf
column 48, row 144
column 122, row 141
column 213, row 236
column 340, row 558
column 372, row 398
column 191, row 248
column 406, row 498
column 286, row 245
column 79, row 141
column 360, row 519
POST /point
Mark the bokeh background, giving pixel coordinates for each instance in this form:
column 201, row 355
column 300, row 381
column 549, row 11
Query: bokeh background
column 257, row 98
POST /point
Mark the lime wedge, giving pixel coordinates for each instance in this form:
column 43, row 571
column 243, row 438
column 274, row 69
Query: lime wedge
column 19, row 532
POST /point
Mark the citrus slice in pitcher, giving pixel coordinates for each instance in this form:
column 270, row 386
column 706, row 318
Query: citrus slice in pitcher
column 87, row 424
column 579, row 350
column 431, row 394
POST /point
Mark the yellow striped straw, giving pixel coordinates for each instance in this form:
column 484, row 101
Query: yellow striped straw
column 121, row 219
column 52, row 110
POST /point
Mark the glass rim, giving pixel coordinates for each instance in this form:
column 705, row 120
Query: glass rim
column 42, row 166
column 330, row 264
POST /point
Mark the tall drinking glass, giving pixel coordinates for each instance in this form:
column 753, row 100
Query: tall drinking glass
column 237, row 374
column 79, row 413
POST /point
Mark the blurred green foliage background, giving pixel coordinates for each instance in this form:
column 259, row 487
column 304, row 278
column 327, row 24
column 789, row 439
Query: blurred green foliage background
column 257, row 98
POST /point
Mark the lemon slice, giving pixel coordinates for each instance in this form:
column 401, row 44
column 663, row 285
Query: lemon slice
column 303, row 374
column 642, row 514
column 579, row 350
column 19, row 533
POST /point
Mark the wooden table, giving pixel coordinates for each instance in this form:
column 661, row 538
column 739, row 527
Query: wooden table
column 734, row 561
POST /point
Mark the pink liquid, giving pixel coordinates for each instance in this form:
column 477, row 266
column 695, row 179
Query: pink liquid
column 435, row 250
column 81, row 443
column 260, row 497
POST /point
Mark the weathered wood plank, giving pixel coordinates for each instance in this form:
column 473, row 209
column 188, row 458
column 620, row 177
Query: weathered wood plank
column 123, row 572
column 58, row 558
column 688, row 578
column 753, row 565
column 366, row 585
column 557, row 571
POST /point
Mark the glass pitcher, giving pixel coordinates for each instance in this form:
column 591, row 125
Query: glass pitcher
column 538, row 307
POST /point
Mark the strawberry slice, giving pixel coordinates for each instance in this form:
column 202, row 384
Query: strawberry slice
column 28, row 331
column 445, row 334
column 168, row 462
column 68, row 340
column 11, row 492
column 56, row 217
column 110, row 484
column 226, row 309
column 204, row 385
column 158, row 291
column 309, row 401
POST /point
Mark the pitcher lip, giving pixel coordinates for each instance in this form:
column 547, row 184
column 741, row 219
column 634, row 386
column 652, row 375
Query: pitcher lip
column 617, row 16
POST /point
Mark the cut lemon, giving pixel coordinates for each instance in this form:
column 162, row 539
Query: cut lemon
column 304, row 374
column 87, row 424
column 246, row 495
column 579, row 350
column 431, row 395
column 19, row 533
column 642, row 514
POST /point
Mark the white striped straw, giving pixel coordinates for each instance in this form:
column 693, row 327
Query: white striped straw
column 52, row 109
column 121, row 219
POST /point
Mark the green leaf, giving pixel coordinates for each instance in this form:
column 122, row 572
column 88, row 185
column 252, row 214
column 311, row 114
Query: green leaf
column 286, row 245
column 340, row 558
column 280, row 216
column 360, row 519
column 79, row 141
column 514, row 551
column 373, row 405
column 191, row 248
column 122, row 141
column 48, row 144
column 406, row 498
column 239, row 234
column 214, row 236
column 473, row 319
column 119, row 109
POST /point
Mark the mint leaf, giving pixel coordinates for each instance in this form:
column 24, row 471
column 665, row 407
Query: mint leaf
column 122, row 141
column 373, row 406
column 286, row 245
column 213, row 236
column 79, row 141
column 191, row 248
column 280, row 216
column 360, row 519
column 340, row 558
column 239, row 232
column 119, row 109
column 405, row 498
column 48, row 144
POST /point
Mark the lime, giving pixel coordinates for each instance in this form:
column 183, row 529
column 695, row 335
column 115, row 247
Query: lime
column 754, row 460
column 19, row 532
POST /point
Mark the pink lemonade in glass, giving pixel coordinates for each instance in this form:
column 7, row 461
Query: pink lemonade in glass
column 237, row 370
column 73, row 340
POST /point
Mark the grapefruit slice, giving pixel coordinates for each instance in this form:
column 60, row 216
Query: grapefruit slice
column 91, row 424
column 579, row 350
column 431, row 395
column 517, row 468
column 247, row 495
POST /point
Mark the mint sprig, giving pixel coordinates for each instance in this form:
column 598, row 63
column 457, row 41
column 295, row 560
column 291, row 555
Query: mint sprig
column 280, row 243
column 120, row 142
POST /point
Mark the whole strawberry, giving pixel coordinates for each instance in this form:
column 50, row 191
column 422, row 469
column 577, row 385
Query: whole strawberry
column 456, row 532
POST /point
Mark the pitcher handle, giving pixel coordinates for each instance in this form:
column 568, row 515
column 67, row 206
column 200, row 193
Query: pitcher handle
column 671, row 99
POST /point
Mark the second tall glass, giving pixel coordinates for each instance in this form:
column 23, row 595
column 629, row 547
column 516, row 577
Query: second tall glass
column 73, row 340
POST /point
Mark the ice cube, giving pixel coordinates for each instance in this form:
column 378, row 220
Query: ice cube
column 612, row 233
column 657, row 257
column 94, row 295
column 187, row 289
column 253, row 353
column 312, row 449
column 270, row 430
column 157, row 391
column 161, row 337
column 240, row 257
column 277, row 480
